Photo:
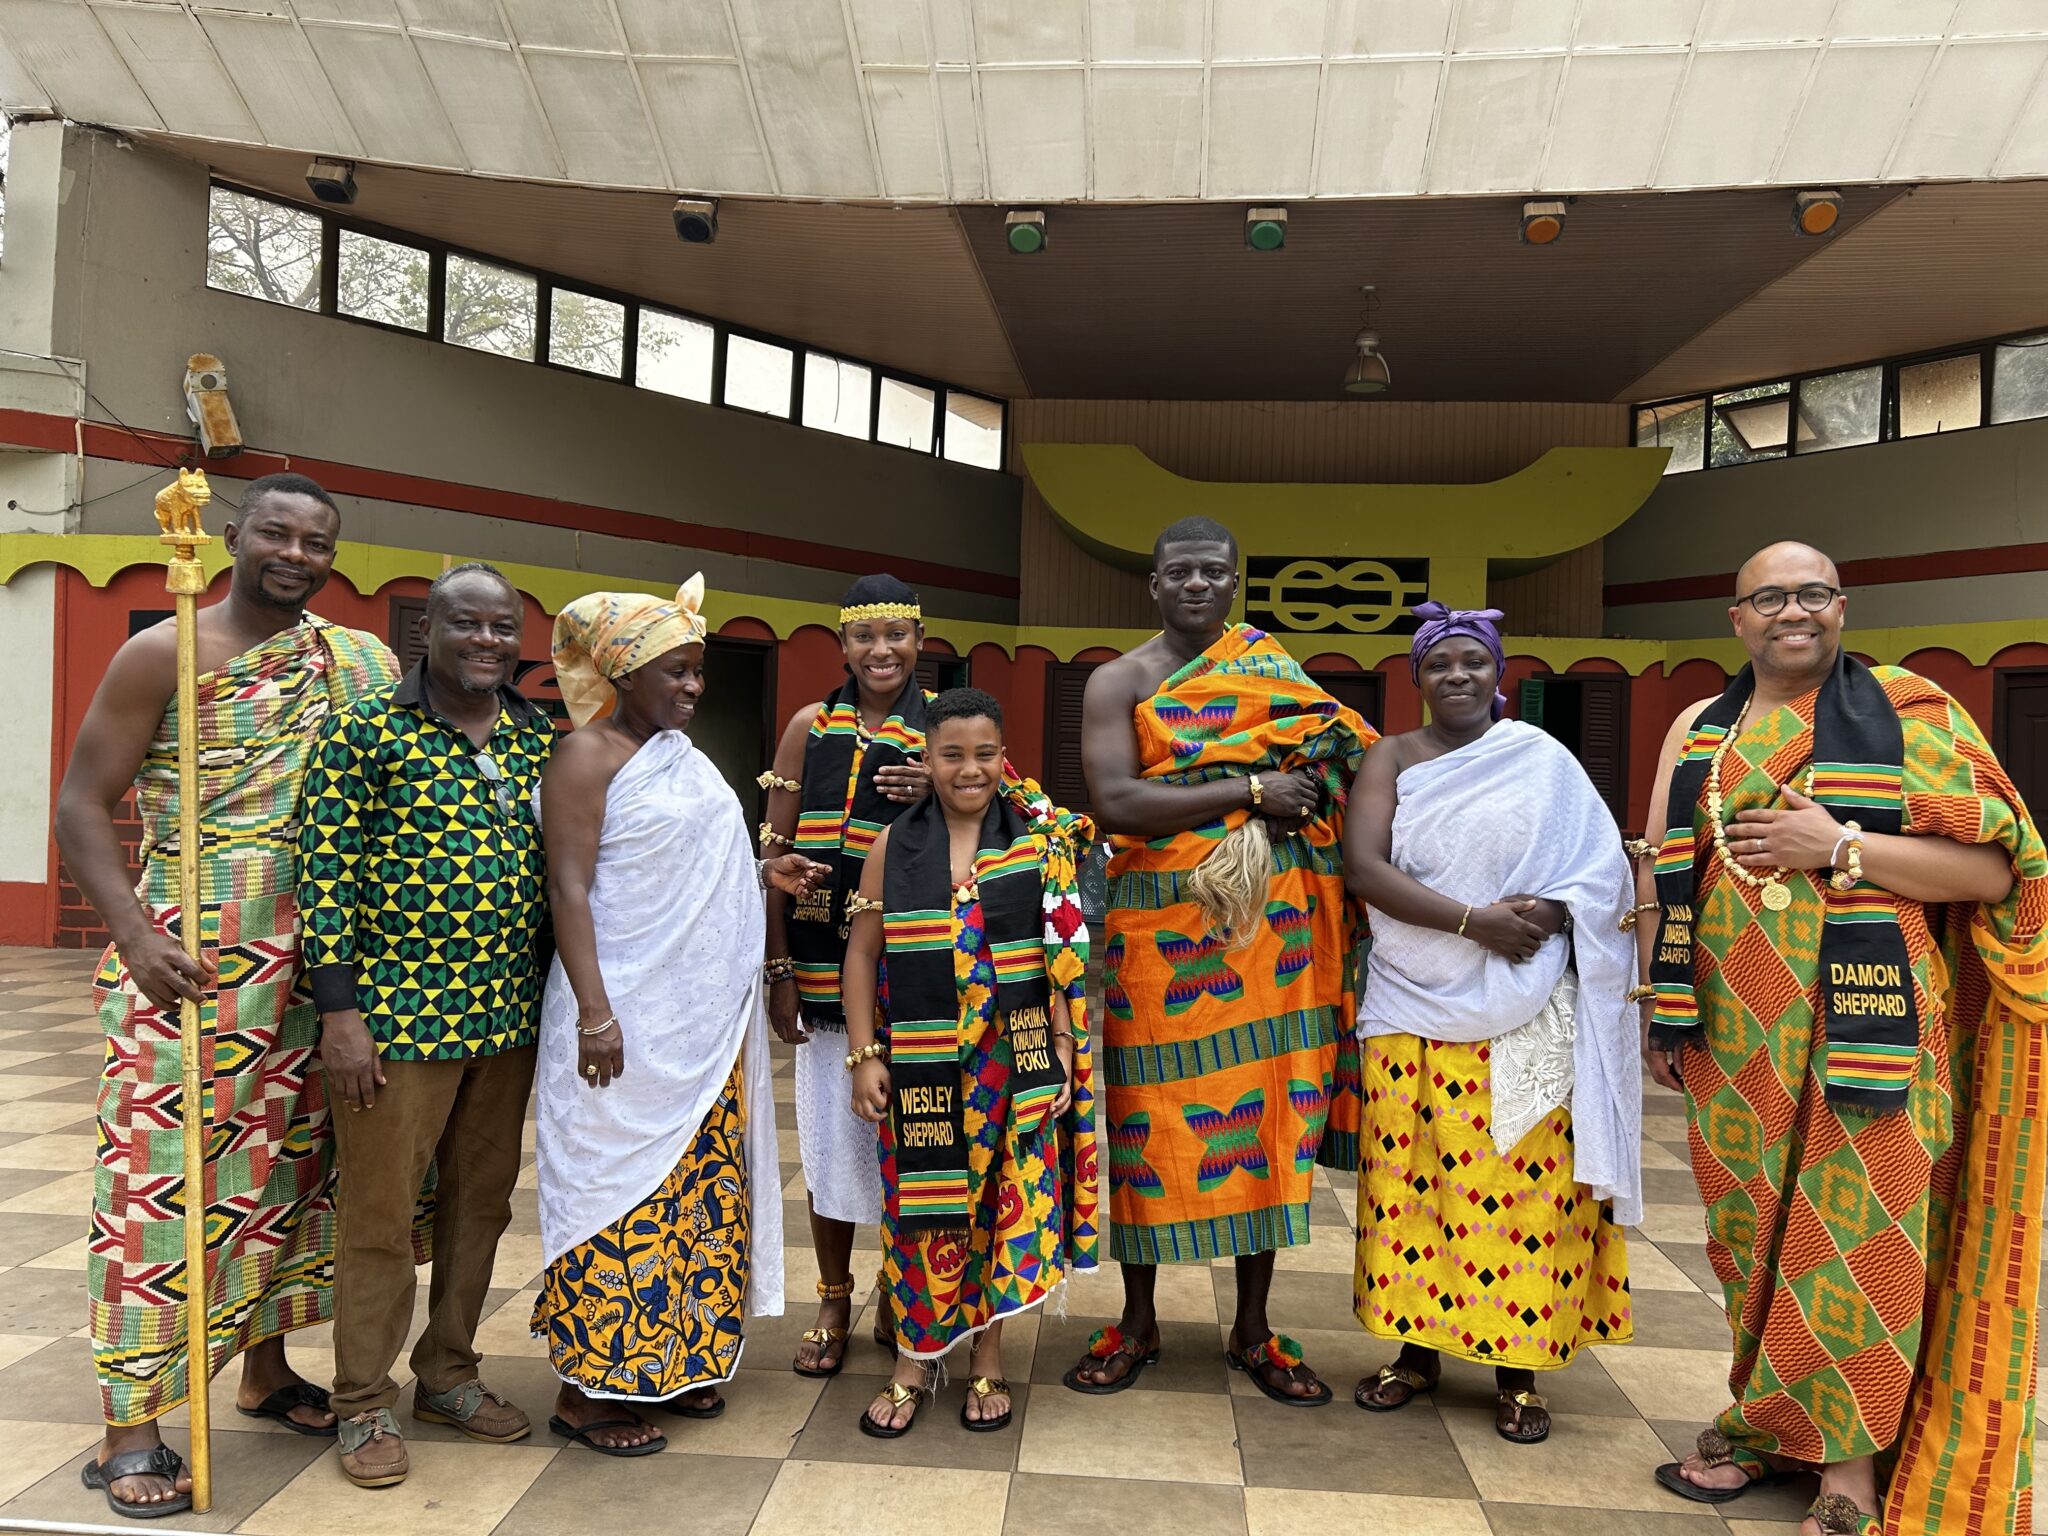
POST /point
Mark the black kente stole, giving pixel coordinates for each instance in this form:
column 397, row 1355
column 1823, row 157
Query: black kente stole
column 925, row 1050
column 838, row 828
column 1866, row 979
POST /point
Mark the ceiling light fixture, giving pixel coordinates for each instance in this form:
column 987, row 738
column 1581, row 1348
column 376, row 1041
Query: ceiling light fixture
column 1265, row 229
column 1542, row 223
column 696, row 220
column 332, row 181
column 1368, row 373
column 1815, row 213
column 1025, row 230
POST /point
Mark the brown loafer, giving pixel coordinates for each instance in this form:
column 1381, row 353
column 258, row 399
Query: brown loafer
column 372, row 1450
column 474, row 1409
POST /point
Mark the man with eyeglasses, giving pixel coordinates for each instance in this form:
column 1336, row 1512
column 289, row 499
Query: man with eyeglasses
column 427, row 944
column 1844, row 971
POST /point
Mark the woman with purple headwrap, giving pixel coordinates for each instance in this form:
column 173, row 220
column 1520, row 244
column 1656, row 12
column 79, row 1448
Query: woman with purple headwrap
column 1502, row 1081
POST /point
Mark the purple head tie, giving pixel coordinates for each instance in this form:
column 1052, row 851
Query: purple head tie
column 1440, row 624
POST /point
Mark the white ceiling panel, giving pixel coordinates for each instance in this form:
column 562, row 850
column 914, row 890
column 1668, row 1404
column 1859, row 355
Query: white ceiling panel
column 1146, row 31
column 1764, row 21
column 800, row 68
column 19, row 87
column 599, row 123
column 583, row 25
column 1042, row 32
column 1984, row 18
column 952, row 24
column 1513, row 26
column 1146, row 126
column 685, row 29
column 1733, row 115
column 960, row 132
column 491, row 108
column 1967, row 109
column 1274, row 29
column 457, row 18
column 1855, row 106
column 1858, row 20
column 906, row 113
column 891, row 32
column 174, row 62
column 1637, row 23
column 706, row 126
column 282, row 81
column 1374, row 27
column 1598, row 142
column 1034, row 132
column 1493, row 124
column 387, row 95
column 374, row 13
column 69, row 54
column 1375, row 136
column 1262, row 130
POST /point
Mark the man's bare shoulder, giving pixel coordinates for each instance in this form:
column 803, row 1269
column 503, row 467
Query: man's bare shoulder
column 147, row 658
column 1134, row 673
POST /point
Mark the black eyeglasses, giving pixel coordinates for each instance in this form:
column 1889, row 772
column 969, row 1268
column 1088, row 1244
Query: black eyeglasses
column 1771, row 601
column 487, row 765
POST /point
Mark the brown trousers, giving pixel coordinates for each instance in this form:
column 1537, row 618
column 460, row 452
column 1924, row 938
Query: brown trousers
column 463, row 1117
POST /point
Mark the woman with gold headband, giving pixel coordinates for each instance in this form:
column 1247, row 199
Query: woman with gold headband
column 847, row 766
column 660, row 1204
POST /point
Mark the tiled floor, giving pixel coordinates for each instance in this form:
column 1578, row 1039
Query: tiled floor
column 1193, row 1450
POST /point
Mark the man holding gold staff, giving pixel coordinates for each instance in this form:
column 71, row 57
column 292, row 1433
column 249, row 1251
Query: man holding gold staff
column 269, row 674
column 1228, row 977
column 1845, row 973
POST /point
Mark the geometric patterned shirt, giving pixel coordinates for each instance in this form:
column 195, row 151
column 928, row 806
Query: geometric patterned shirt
column 422, row 884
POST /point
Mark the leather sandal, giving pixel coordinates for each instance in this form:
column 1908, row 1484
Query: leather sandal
column 157, row 1461
column 1278, row 1352
column 1839, row 1515
column 1521, row 1417
column 1716, row 1450
column 980, row 1389
column 826, row 1338
column 897, row 1395
column 1395, row 1375
column 1104, row 1345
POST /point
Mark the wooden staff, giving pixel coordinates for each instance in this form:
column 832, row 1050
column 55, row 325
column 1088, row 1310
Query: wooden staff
column 177, row 511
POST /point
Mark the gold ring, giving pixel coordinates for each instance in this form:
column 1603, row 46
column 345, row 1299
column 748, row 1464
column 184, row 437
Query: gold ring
column 590, row 1071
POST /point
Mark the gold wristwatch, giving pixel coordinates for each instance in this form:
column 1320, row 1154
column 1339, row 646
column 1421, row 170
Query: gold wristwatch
column 1258, row 792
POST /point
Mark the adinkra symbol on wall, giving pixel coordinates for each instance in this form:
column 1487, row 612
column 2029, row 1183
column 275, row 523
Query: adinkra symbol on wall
column 1309, row 596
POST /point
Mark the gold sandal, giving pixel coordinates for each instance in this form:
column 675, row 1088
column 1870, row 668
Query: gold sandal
column 825, row 1338
column 980, row 1389
column 1395, row 1375
column 1839, row 1515
column 897, row 1395
column 1526, row 1431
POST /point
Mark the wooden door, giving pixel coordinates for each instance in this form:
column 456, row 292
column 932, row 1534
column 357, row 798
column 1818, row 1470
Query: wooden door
column 2019, row 730
column 1365, row 692
column 1065, row 681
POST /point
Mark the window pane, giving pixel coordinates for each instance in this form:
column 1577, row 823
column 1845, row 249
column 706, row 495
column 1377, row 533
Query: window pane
column 1945, row 395
column 2019, row 380
column 757, row 375
column 1839, row 410
column 836, row 395
column 906, row 415
column 586, row 332
column 1681, row 427
column 1751, row 424
column 382, row 280
column 974, row 430
column 262, row 249
column 489, row 308
column 674, row 355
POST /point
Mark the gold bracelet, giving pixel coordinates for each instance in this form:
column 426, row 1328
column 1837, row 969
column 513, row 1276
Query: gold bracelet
column 1638, row 847
column 1630, row 918
column 857, row 904
column 778, row 968
column 1463, row 921
column 770, row 780
column 1641, row 992
column 867, row 1052
column 770, row 835
column 1258, row 792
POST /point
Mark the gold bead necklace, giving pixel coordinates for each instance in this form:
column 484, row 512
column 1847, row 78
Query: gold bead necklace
column 1776, row 895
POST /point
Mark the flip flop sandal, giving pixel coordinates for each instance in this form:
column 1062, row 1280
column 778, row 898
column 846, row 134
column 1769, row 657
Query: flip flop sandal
column 572, row 1434
column 1524, row 1431
column 279, row 1406
column 710, row 1410
column 825, row 1338
column 897, row 1395
column 1281, row 1351
column 157, row 1461
column 981, row 1388
column 1716, row 1450
column 1839, row 1515
column 1396, row 1375
column 1105, row 1344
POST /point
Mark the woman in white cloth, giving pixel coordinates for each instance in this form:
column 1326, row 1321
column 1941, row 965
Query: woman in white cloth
column 660, row 1201
column 1503, row 1080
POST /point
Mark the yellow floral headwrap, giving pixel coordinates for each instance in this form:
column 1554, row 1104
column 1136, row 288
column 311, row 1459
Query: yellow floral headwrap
column 605, row 635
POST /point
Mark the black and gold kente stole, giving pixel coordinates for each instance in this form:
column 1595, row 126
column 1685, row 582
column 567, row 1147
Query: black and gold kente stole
column 1866, row 979
column 837, row 823
column 920, row 934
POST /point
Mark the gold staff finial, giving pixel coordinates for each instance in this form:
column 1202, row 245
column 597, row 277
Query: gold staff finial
column 177, row 513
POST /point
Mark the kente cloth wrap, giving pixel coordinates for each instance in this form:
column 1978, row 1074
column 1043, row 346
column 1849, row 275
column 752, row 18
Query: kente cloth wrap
column 1021, row 915
column 1440, row 623
column 677, row 911
column 1032, row 1213
column 1231, row 1071
column 602, row 636
column 1461, row 827
column 1857, row 766
column 269, row 1151
column 841, row 814
column 1505, row 1258
column 1880, row 1271
column 655, row 1303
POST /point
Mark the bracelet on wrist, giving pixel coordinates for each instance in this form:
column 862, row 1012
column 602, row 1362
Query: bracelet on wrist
column 1641, row 992
column 868, row 1052
column 1463, row 921
column 1258, row 792
column 611, row 1022
column 778, row 968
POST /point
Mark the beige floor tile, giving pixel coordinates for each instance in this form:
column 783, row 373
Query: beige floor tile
column 1649, row 1270
column 63, row 1153
column 1590, row 1463
column 833, row 1432
column 1290, row 1511
column 1672, row 1224
column 505, row 1332
column 518, row 1263
column 461, row 1489
column 36, row 1449
column 54, row 1384
column 15, row 1086
column 765, row 1412
column 1185, row 1293
column 15, row 1055
column 808, row 1498
column 1329, row 1251
column 1671, row 1383
column 41, row 1116
column 1039, row 1504
column 1666, row 1127
column 16, row 1347
column 721, row 1495
column 71, row 1256
column 69, row 1196
column 1553, row 1520
column 1172, row 1437
column 1657, row 1156
column 1791, row 1527
column 247, row 1470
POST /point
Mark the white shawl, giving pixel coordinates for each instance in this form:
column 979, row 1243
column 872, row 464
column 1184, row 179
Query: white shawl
column 1514, row 812
column 680, row 925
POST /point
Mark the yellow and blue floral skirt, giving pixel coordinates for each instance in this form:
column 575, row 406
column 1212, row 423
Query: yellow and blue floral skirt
column 652, row 1305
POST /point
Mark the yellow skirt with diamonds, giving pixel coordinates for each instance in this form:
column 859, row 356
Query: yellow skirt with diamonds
column 1503, row 1260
